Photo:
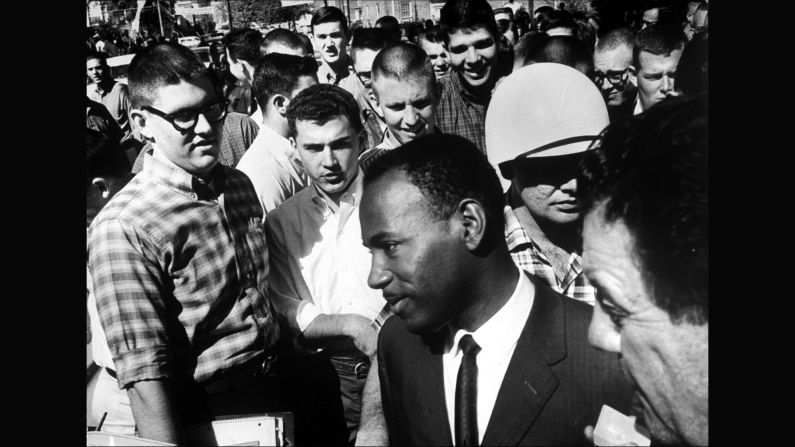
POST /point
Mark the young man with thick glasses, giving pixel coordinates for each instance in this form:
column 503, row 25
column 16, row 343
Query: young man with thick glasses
column 179, row 265
column 612, row 58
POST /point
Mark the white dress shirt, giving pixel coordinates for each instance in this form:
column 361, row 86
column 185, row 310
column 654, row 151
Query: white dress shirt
column 497, row 339
column 273, row 167
column 318, row 263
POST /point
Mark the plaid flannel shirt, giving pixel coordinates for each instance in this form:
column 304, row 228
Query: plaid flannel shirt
column 180, row 270
column 460, row 113
column 527, row 255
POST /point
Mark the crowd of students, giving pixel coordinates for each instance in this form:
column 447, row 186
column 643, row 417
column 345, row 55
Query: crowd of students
column 473, row 232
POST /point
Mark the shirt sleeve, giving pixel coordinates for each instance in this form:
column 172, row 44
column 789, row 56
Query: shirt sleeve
column 287, row 288
column 129, row 289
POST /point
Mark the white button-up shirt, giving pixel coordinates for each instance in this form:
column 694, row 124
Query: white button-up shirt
column 497, row 339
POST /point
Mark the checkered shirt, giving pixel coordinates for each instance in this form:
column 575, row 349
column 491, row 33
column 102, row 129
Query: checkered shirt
column 527, row 255
column 460, row 113
column 180, row 270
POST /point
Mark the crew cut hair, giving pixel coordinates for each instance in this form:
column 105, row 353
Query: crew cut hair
column 402, row 61
column 322, row 103
column 466, row 15
column 279, row 73
column 432, row 34
column 659, row 39
column 615, row 38
column 159, row 66
column 446, row 169
column 284, row 37
column 651, row 173
column 101, row 57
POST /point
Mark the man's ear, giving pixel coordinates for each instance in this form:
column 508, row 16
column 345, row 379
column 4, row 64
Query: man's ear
column 140, row 120
column 633, row 75
column 280, row 102
column 102, row 187
column 473, row 217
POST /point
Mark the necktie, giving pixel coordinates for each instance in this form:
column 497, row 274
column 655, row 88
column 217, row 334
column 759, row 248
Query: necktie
column 466, row 393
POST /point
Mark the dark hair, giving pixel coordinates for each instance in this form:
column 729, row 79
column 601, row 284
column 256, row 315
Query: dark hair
column 402, row 61
column 159, row 66
column 692, row 72
column 466, row 14
column 104, row 158
column 102, row 57
column 330, row 14
column 566, row 50
column 446, row 168
column 371, row 38
column 321, row 103
column 525, row 43
column 244, row 44
column 413, row 30
column 659, row 39
column 616, row 37
column 279, row 73
column 522, row 20
column 558, row 19
column 651, row 173
column 285, row 37
column 432, row 34
column 390, row 24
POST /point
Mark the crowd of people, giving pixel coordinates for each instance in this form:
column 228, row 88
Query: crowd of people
column 476, row 231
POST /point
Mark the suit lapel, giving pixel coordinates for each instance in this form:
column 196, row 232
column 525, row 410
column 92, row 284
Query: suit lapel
column 529, row 381
column 432, row 404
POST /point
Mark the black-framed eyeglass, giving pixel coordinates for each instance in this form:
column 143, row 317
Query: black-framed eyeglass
column 616, row 79
column 185, row 120
column 365, row 76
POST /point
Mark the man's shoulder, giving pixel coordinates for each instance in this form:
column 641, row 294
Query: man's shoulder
column 132, row 205
column 298, row 203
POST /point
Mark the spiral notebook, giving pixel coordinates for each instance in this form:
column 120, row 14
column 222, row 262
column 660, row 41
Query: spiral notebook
column 271, row 429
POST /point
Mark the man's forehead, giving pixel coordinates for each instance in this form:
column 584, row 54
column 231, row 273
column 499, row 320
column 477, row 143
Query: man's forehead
column 93, row 62
column 183, row 95
column 648, row 60
column 327, row 27
column 476, row 32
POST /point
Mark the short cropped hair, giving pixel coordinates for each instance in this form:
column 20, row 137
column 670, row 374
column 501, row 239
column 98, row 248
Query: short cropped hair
column 322, row 103
column 159, row 66
column 390, row 24
column 307, row 42
column 466, row 14
column 369, row 38
column 102, row 57
column 566, row 50
column 244, row 44
column 616, row 38
column 402, row 61
column 284, row 37
column 326, row 14
column 279, row 73
column 447, row 169
column 659, row 39
column 104, row 157
column 651, row 172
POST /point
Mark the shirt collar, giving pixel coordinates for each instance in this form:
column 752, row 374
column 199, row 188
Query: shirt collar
column 327, row 74
column 158, row 166
column 352, row 195
column 515, row 235
column 638, row 106
column 497, row 336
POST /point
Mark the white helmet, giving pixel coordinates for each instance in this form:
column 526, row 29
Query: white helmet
column 543, row 110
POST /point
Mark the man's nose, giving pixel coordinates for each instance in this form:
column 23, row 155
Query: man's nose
column 570, row 186
column 602, row 333
column 472, row 55
column 203, row 125
column 329, row 159
column 378, row 277
column 667, row 83
column 410, row 116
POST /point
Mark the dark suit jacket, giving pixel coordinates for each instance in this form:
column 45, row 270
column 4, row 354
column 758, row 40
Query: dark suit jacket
column 555, row 384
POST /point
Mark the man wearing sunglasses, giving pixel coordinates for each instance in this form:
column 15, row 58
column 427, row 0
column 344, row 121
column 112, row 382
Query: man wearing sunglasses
column 179, row 268
column 612, row 58
column 564, row 114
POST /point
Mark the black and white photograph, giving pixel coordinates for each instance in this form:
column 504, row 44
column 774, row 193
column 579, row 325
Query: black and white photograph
column 397, row 222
